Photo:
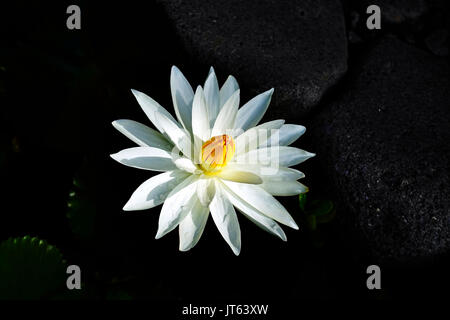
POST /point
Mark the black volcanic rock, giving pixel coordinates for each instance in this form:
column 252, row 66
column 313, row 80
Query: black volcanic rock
column 386, row 142
column 297, row 47
column 398, row 11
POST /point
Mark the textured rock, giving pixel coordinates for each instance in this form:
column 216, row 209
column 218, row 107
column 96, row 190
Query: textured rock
column 437, row 42
column 386, row 142
column 397, row 11
column 297, row 47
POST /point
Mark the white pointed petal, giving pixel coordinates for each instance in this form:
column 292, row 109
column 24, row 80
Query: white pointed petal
column 177, row 135
column 289, row 133
column 262, row 201
column 211, row 70
column 186, row 164
column 225, row 121
column 275, row 156
column 200, row 116
column 257, row 137
column 147, row 158
column 252, row 112
column 225, row 218
column 176, row 206
column 205, row 191
column 142, row 135
column 150, row 107
column 284, row 188
column 182, row 96
column 254, row 215
column 229, row 87
column 154, row 191
column 212, row 96
column 268, row 173
column 239, row 176
column 192, row 226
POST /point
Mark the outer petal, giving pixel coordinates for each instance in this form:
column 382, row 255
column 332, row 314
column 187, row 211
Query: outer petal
column 177, row 135
column 154, row 191
column 284, row 188
column 147, row 158
column 227, row 116
column 269, row 173
column 142, row 135
column 252, row 112
column 225, row 218
column 257, row 137
column 182, row 96
column 229, row 87
column 200, row 122
column 205, row 190
column 212, row 96
column 192, row 226
column 254, row 215
column 239, row 176
column 176, row 206
column 262, row 201
column 150, row 107
column 275, row 156
column 289, row 133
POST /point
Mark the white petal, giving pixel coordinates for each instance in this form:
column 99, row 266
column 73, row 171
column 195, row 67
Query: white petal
column 192, row 226
column 147, row 158
column 289, row 133
column 239, row 176
column 225, row 218
column 176, row 206
column 275, row 156
column 212, row 96
column 205, row 190
column 186, row 164
column 229, row 87
column 252, row 112
column 268, row 173
column 142, row 135
column 254, row 215
column 257, row 137
column 154, row 191
column 262, row 201
column 284, row 188
column 182, row 96
column 225, row 121
column 150, row 107
column 177, row 135
column 200, row 116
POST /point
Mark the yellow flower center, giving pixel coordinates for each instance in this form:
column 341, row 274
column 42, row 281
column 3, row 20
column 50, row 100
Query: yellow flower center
column 216, row 152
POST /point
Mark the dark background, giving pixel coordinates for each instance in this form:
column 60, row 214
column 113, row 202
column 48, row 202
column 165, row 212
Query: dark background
column 60, row 90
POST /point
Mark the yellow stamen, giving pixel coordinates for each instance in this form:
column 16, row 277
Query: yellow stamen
column 216, row 152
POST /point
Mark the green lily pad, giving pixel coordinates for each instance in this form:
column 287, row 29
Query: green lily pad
column 30, row 268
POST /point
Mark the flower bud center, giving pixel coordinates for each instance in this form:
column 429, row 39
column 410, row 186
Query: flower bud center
column 216, row 152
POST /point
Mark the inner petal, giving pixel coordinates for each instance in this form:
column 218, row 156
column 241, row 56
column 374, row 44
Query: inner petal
column 216, row 153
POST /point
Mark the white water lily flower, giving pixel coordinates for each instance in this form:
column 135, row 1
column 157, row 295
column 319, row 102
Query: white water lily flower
column 213, row 160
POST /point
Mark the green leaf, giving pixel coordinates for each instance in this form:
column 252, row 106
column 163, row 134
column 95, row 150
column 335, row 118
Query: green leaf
column 312, row 222
column 81, row 210
column 316, row 209
column 302, row 201
column 323, row 210
column 118, row 295
column 30, row 268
